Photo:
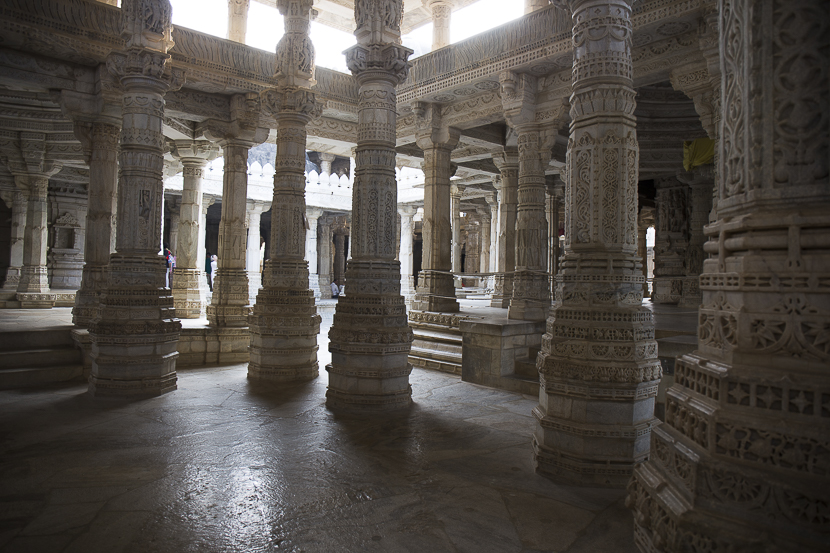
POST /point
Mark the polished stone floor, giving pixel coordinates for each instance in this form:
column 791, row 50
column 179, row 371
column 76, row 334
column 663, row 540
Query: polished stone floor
column 219, row 466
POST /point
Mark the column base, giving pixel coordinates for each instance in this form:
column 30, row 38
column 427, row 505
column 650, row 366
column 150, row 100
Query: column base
column 370, row 341
column 230, row 305
column 690, row 295
column 254, row 285
column 314, row 285
column 284, row 327
column 37, row 300
column 213, row 346
column 531, row 297
column 435, row 293
column 135, row 337
column 667, row 290
column 88, row 298
column 187, row 296
column 12, row 281
column 324, row 283
column 502, row 290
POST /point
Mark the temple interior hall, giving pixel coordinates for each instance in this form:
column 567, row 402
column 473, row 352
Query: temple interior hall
column 415, row 275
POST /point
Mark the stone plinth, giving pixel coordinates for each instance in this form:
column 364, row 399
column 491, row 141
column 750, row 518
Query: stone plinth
column 501, row 353
column 207, row 345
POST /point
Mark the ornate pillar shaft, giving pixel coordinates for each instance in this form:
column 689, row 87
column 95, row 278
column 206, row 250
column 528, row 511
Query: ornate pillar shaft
column 324, row 269
column 741, row 463
column 325, row 163
column 643, row 222
column 455, row 210
column 135, row 335
column 238, row 20
column 33, row 277
column 311, row 254
column 671, row 240
column 701, row 180
column 407, row 279
column 492, row 201
column 102, row 200
column 19, row 204
column 339, row 256
column 436, row 291
column 508, row 164
column 230, row 303
column 370, row 338
column 285, row 324
column 484, row 258
column 598, row 367
column 252, row 265
column 531, row 290
column 201, row 251
column 441, row 21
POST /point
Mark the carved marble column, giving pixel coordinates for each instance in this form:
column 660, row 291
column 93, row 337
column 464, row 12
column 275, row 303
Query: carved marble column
column 598, row 367
column 324, row 269
column 531, row 290
column 441, row 20
column 311, row 254
column 101, row 141
column 33, row 275
column 238, row 20
column 508, row 187
column 484, row 256
column 407, row 279
column 255, row 210
column 554, row 198
column 285, row 324
column 436, row 291
column 370, row 338
column 17, row 201
column 671, row 240
column 339, row 255
column 493, row 256
column 700, row 181
column 741, row 463
column 456, row 191
column 135, row 335
column 325, row 163
column 188, row 296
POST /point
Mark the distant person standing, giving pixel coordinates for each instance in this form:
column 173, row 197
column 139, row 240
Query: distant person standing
column 214, row 265
column 170, row 261
column 335, row 289
column 209, row 270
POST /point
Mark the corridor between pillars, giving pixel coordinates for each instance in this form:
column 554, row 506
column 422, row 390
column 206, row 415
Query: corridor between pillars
column 285, row 324
column 370, row 338
column 135, row 335
column 598, row 368
column 741, row 463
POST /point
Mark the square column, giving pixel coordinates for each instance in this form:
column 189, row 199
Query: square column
column 324, row 268
column 252, row 262
column 508, row 188
column 311, row 255
column 17, row 201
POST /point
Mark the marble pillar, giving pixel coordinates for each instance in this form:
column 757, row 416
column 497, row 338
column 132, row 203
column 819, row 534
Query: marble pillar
column 435, row 291
column 102, row 142
column 700, row 181
column 671, row 240
column 598, row 368
column 238, row 20
column 484, row 256
column 407, row 212
column 17, row 201
column 252, row 265
column 33, row 276
column 493, row 203
column 441, row 21
column 311, row 254
column 456, row 191
column 188, row 295
column 325, row 163
column 531, row 289
column 508, row 187
column 339, row 256
column 741, row 463
column 230, row 303
column 324, row 268
column 135, row 334
column 285, row 324
column 370, row 338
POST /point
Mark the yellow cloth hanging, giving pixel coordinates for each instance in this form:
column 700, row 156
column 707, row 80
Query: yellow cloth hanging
column 698, row 152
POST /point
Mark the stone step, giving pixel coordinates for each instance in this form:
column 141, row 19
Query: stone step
column 438, row 350
column 35, row 339
column 36, row 376
column 44, row 357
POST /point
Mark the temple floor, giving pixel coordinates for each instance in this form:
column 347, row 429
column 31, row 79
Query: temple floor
column 219, row 466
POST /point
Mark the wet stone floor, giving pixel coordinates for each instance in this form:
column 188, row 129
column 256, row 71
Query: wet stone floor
column 217, row 466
